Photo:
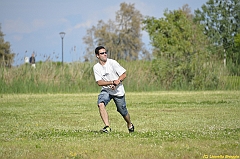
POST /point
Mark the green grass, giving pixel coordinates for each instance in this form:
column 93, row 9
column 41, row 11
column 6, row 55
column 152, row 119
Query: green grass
column 51, row 77
column 168, row 125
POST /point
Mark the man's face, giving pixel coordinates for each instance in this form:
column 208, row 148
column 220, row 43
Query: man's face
column 102, row 56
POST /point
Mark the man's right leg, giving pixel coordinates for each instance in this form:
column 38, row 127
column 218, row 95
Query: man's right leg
column 104, row 116
column 103, row 113
column 103, row 99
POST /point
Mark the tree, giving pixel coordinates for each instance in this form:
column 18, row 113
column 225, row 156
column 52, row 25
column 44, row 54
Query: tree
column 121, row 37
column 221, row 21
column 180, row 50
column 6, row 57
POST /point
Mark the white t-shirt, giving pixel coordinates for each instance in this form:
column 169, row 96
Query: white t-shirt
column 109, row 72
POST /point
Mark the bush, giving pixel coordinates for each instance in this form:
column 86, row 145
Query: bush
column 50, row 77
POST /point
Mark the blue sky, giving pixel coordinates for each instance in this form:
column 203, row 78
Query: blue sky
column 34, row 25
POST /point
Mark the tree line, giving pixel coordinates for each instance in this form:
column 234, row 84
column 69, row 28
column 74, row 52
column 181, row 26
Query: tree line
column 217, row 22
column 187, row 48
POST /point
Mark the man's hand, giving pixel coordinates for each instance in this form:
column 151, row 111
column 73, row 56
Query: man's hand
column 116, row 82
column 112, row 87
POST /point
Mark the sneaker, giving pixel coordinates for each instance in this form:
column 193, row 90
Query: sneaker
column 131, row 129
column 106, row 129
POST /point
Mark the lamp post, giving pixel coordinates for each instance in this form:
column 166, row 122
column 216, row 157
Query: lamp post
column 62, row 34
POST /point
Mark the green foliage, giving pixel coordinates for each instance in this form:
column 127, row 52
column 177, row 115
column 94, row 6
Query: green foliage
column 121, row 37
column 6, row 56
column 50, row 77
column 234, row 66
column 181, row 52
column 221, row 21
column 230, row 82
column 237, row 41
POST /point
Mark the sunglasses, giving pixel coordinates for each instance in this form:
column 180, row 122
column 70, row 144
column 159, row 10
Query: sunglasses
column 103, row 53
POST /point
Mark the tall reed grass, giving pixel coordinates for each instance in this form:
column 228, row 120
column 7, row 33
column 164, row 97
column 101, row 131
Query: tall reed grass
column 52, row 77
column 47, row 77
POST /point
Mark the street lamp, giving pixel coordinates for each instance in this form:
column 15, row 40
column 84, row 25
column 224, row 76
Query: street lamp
column 62, row 34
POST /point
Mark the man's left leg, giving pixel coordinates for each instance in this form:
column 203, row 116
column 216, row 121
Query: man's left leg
column 127, row 119
column 122, row 109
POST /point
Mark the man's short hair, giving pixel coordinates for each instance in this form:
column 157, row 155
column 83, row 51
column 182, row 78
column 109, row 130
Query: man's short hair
column 99, row 48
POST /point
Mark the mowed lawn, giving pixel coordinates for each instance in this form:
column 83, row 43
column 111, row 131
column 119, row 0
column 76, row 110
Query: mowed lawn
column 168, row 124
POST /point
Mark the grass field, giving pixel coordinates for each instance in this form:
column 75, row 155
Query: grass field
column 204, row 124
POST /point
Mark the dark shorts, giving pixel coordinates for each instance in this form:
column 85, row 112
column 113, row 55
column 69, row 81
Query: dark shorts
column 105, row 97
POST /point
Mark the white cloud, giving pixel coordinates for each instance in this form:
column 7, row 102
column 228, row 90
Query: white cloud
column 15, row 26
column 86, row 24
column 20, row 26
column 17, row 37
column 38, row 23
column 63, row 20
